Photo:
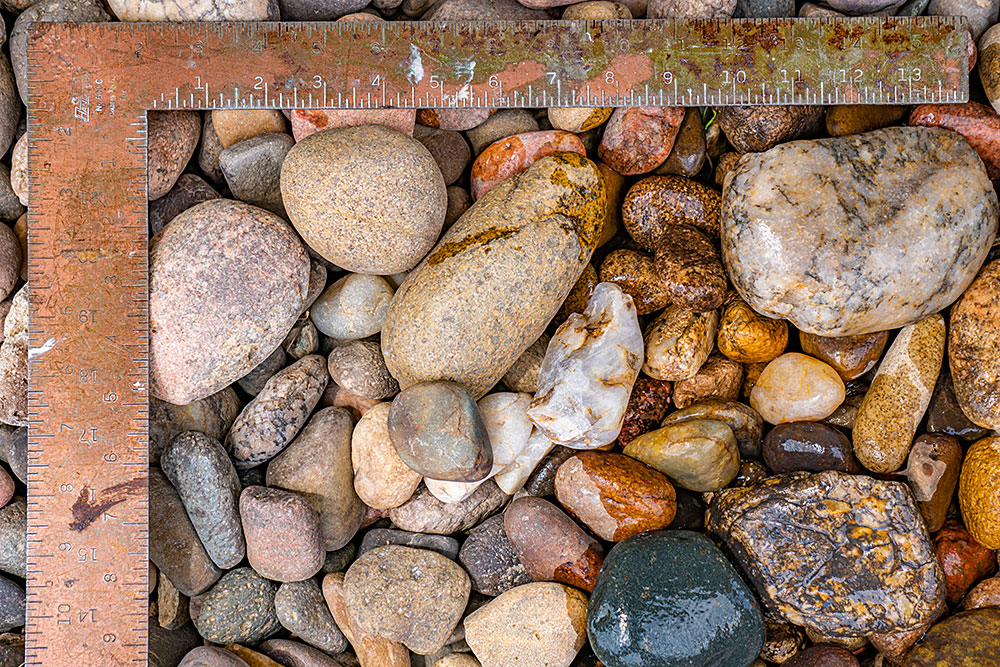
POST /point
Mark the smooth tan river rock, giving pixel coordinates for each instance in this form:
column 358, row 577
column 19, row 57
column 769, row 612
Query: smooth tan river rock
column 858, row 234
column 517, row 252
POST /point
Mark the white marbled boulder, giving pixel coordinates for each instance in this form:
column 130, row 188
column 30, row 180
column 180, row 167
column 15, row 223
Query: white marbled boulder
column 858, row 234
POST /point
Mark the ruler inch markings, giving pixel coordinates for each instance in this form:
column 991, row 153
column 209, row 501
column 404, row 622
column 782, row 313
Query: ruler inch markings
column 86, row 126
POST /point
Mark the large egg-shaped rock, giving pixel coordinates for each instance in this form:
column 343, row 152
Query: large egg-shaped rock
column 226, row 283
column 498, row 275
column 860, row 233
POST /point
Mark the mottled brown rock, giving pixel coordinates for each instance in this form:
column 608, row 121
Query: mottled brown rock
column 173, row 543
column 967, row 639
column 690, row 268
column 719, row 377
column 843, row 537
column 10, row 260
column 423, row 513
column 746, row 336
column 489, row 558
column 964, row 560
column 973, row 347
column 614, row 495
column 635, row 272
column 899, row 395
column 984, row 594
column 367, row 198
column 638, row 139
column 678, row 342
column 212, row 415
column 449, row 149
column 535, row 625
column 979, row 491
column 456, row 119
column 932, row 470
column 823, row 655
column 358, row 367
column 371, row 650
column 518, row 251
column 808, row 447
column 171, row 605
column 654, row 205
column 850, row 356
column 413, row 596
column 845, row 119
column 208, row 152
column 551, row 545
column 755, row 129
column 269, row 422
column 523, row 373
column 647, row 406
column 746, row 424
column 689, row 152
column 172, row 137
column 781, row 641
column 214, row 314
column 233, row 126
column 614, row 186
column 578, row 119
column 317, row 465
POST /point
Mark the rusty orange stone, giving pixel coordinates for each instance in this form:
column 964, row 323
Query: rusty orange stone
column 550, row 545
column 964, row 560
column 978, row 123
column 615, row 495
column 637, row 140
column 512, row 155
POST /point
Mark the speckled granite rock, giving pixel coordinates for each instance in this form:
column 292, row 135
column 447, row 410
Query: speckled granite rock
column 239, row 608
column 832, row 250
column 973, row 346
column 423, row 513
column 853, row 557
column 518, row 251
column 214, row 315
column 588, row 371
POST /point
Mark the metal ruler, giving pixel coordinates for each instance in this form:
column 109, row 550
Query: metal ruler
column 89, row 87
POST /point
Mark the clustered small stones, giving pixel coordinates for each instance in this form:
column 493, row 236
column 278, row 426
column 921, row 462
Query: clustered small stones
column 632, row 387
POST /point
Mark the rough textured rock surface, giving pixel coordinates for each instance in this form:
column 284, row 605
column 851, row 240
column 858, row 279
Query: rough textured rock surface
column 238, row 609
column 853, row 557
column 588, row 371
column 412, row 596
column 423, row 513
column 490, row 560
column 783, row 209
column 973, row 347
column 226, row 284
column 535, row 231
column 967, row 639
column 195, row 10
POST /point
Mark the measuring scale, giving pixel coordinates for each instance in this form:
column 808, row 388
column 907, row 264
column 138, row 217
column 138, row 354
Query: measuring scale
column 89, row 87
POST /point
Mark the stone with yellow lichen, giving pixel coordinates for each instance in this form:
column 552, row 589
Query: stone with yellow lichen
column 842, row 555
column 748, row 337
column 496, row 278
column 979, row 491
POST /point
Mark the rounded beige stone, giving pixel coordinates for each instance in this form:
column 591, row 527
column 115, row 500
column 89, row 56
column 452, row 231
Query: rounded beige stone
column 381, row 479
column 368, row 198
column 678, row 342
column 542, row 624
column 796, row 387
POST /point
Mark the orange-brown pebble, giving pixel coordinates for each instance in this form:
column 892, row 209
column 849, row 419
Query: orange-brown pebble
column 233, row 126
column 615, row 495
column 635, row 272
column 847, row 119
column 580, row 294
column 512, row 155
column 719, row 377
column 850, row 356
column 979, row 491
column 550, row 545
column 637, row 140
column 746, row 336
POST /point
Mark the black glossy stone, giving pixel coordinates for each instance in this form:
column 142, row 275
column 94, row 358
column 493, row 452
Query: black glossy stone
column 808, row 447
column 670, row 598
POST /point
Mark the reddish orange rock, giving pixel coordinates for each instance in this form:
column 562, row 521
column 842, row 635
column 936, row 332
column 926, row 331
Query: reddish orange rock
column 637, row 140
column 513, row 155
column 978, row 123
column 965, row 561
column 647, row 406
column 615, row 495
column 310, row 121
column 550, row 545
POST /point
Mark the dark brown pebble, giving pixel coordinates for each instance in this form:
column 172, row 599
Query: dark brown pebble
column 691, row 269
column 653, row 205
column 809, row 447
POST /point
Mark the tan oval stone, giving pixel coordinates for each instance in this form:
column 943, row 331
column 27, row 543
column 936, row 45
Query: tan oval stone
column 517, row 251
column 540, row 624
column 974, row 348
column 796, row 387
column 851, row 356
column 381, row 479
column 678, row 342
column 899, row 395
column 578, row 119
column 235, row 125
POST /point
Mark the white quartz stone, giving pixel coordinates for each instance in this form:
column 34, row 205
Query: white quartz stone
column 588, row 371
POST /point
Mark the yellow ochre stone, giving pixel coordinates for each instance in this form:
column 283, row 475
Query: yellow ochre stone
column 979, row 491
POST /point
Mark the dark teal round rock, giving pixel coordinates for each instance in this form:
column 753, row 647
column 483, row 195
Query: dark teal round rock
column 670, row 598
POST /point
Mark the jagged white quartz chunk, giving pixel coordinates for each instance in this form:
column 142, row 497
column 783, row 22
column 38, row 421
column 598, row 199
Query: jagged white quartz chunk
column 588, row 371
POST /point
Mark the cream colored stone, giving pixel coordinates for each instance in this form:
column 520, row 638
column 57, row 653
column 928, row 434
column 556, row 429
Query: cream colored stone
column 353, row 307
column 678, row 342
column 381, row 479
column 797, row 387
